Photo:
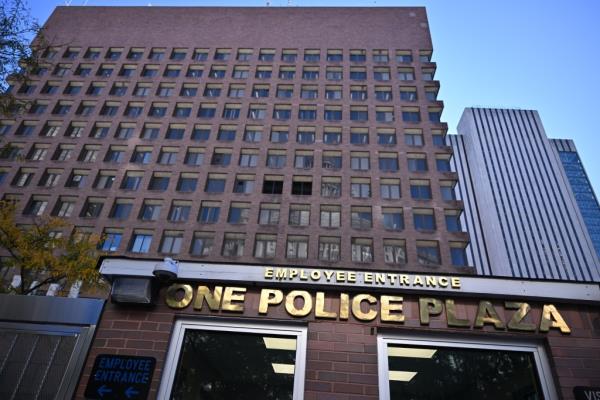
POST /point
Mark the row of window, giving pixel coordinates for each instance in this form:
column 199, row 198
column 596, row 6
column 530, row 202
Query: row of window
column 331, row 186
column 242, row 54
column 225, row 133
column 235, row 90
column 223, row 156
column 233, row 111
column 219, row 71
column 330, row 216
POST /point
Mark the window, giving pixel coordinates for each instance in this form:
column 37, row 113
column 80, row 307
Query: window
column 248, row 158
column 299, row 215
column 38, row 107
column 27, row 127
column 359, row 136
column 150, row 210
column 222, row 54
column 447, row 190
column 331, row 186
column 178, row 54
column 335, row 55
column 254, row 344
column 424, row 219
column 202, row 244
column 312, row 55
column 215, row 183
column 231, row 111
column 142, row 90
column 134, row 110
column 408, row 93
column 244, row 55
column 386, row 137
column 187, row 182
column 404, row 56
column 384, row 114
column 171, row 242
column 330, row 216
column 111, row 240
column 359, row 113
column 287, row 73
column 362, row 250
column 221, row 157
column 240, row 72
column 92, row 53
column 333, row 113
column 64, row 207
column 104, row 180
column 142, row 155
column 226, row 133
column 279, row 134
column 435, row 115
column 297, row 247
column 458, row 254
column 62, row 153
column 305, row 135
column 200, row 55
column 420, row 189
column 417, row 163
column 158, row 110
column 309, row 92
column 194, row 71
column 334, row 73
column 167, row 156
column 427, row 74
column 329, row 248
column 361, row 217
column 406, row 74
column 207, row 110
column 310, row 73
column 388, row 162
column 179, row 211
column 431, row 94
column 201, row 133
column 124, row 131
column 38, row 152
column 194, row 156
column 442, row 163
column 236, row 91
column 217, row 72
column 360, row 188
column 121, row 209
column 394, row 251
column 390, row 189
column 289, row 56
column 77, row 179
column 140, row 242
column 92, row 207
column 282, row 112
column 276, row 158
column 243, row 184
column 36, row 206
column 284, row 91
column 182, row 110
column 332, row 136
column 383, row 93
column 413, row 137
column 263, row 72
column 358, row 93
column 302, row 185
column 332, row 160
column 307, row 113
column 359, row 161
column 257, row 111
column 358, row 55
column 411, row 115
column 239, row 213
column 253, row 134
column 268, row 214
column 381, row 74
column 135, row 54
column 358, row 73
column 333, row 92
column 159, row 181
column 272, row 184
column 393, row 219
column 233, row 244
column 209, row 212
column 428, row 252
column 452, row 218
column 105, row 70
column 265, row 246
column 212, row 90
column 132, row 180
column 380, row 56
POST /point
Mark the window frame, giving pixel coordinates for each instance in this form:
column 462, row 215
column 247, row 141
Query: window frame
column 179, row 330
column 464, row 341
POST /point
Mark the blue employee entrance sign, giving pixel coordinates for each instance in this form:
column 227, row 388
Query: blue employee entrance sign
column 120, row 377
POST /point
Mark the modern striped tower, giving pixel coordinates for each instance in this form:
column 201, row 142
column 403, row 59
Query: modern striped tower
column 522, row 216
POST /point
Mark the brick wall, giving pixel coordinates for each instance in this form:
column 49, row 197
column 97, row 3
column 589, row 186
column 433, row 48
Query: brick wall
column 342, row 355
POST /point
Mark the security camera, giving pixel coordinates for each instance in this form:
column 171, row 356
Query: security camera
column 167, row 270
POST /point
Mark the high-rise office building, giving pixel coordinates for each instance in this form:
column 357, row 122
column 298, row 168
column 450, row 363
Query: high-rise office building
column 522, row 215
column 293, row 161
column 278, row 146
column 581, row 187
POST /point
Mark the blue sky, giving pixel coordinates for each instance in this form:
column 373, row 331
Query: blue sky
column 533, row 54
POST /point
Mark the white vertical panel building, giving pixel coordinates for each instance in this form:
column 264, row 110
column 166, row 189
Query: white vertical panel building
column 519, row 210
